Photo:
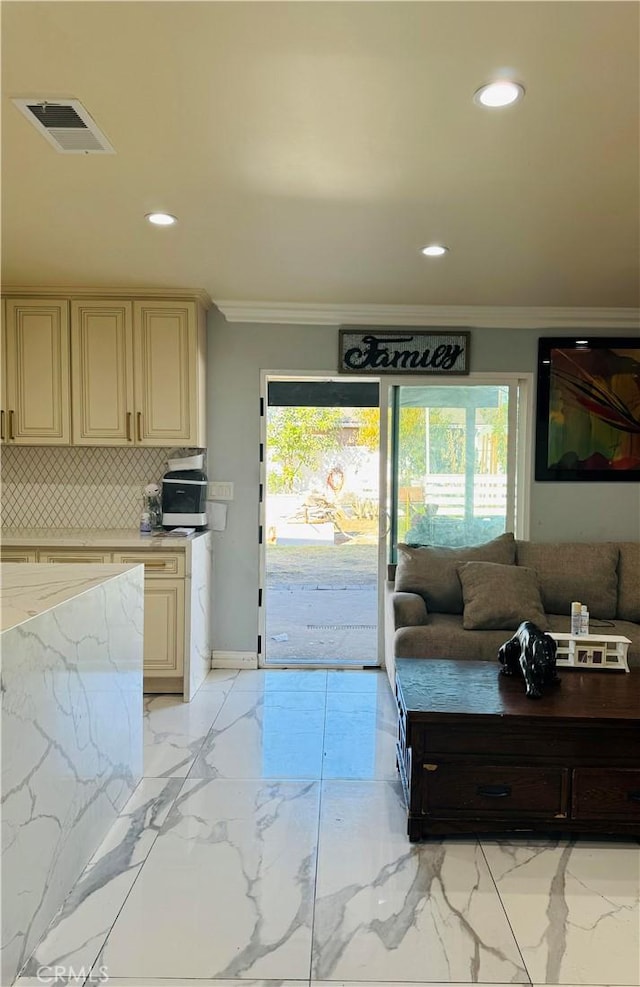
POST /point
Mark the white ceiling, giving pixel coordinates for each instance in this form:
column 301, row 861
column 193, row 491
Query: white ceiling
column 310, row 150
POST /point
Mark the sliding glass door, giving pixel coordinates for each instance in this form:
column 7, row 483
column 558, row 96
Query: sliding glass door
column 454, row 462
column 321, row 523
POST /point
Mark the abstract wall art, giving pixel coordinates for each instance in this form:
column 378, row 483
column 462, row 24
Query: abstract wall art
column 588, row 409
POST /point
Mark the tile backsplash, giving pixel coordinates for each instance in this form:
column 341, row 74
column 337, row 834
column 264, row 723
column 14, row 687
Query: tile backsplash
column 73, row 487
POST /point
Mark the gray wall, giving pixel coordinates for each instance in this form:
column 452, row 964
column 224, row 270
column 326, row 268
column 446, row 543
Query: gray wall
column 237, row 354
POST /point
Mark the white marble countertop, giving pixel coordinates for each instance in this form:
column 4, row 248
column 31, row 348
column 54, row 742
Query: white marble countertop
column 92, row 538
column 28, row 589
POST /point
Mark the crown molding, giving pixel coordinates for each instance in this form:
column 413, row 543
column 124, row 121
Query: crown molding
column 467, row 316
column 82, row 291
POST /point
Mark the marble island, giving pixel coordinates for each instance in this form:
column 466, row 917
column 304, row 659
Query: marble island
column 72, row 642
column 30, row 590
column 178, row 590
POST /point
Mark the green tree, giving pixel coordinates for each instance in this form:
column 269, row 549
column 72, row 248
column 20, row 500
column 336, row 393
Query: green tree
column 299, row 439
column 497, row 420
column 446, row 440
column 412, row 457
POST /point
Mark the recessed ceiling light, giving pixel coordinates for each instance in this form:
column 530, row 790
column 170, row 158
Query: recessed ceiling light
column 161, row 218
column 497, row 94
column 434, row 250
column 582, row 342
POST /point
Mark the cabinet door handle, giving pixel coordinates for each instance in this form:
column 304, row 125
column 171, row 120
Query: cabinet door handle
column 139, row 424
column 634, row 796
column 2, row 425
column 129, row 435
column 494, row 791
column 11, row 433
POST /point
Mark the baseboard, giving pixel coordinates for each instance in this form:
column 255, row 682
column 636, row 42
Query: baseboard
column 234, row 659
column 160, row 684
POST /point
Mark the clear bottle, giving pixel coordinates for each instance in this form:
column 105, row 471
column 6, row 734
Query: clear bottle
column 584, row 621
column 576, row 610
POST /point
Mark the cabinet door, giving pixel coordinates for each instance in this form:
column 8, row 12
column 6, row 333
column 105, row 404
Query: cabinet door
column 18, row 555
column 37, row 352
column 168, row 373
column 3, row 368
column 163, row 626
column 81, row 555
column 157, row 564
column 102, row 373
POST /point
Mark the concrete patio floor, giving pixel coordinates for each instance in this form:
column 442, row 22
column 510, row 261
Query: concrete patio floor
column 324, row 599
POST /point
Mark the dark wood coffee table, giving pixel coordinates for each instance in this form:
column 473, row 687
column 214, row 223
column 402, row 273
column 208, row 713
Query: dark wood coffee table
column 475, row 755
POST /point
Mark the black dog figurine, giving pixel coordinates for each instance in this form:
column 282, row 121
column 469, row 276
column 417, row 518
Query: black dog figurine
column 532, row 653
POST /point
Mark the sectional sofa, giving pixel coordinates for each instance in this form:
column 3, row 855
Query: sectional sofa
column 465, row 602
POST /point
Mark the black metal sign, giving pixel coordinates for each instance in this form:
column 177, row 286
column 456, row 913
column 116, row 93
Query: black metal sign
column 383, row 350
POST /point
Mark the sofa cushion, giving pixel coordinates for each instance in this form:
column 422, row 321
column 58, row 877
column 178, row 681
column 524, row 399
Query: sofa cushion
column 431, row 572
column 629, row 581
column 570, row 571
column 499, row 597
column 445, row 637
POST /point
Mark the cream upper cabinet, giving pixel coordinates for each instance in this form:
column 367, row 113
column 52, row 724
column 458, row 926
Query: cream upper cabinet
column 169, row 361
column 106, row 370
column 36, row 350
column 3, row 382
column 102, row 372
column 138, row 372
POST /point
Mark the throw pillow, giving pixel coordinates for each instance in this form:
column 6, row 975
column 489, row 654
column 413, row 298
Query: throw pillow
column 431, row 572
column 567, row 571
column 499, row 597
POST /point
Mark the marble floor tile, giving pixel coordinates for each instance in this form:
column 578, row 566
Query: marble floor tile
column 281, row 680
column 80, row 928
column 231, row 880
column 348, row 703
column 265, row 735
column 181, row 982
column 573, row 906
column 404, row 983
column 146, row 982
column 371, row 681
column 174, row 731
column 360, row 737
column 51, row 978
column 391, row 910
column 219, row 679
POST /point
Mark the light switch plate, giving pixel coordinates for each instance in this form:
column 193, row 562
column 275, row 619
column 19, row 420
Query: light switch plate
column 220, row 490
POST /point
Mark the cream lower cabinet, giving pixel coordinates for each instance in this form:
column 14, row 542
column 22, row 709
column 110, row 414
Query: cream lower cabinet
column 60, row 555
column 164, row 610
column 19, row 555
column 163, row 626
column 165, row 589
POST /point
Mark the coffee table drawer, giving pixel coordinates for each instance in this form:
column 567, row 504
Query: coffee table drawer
column 494, row 789
column 606, row 793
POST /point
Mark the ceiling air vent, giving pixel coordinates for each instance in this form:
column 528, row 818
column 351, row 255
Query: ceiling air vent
column 65, row 124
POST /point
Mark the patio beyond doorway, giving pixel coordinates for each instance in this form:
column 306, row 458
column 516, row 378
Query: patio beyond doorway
column 322, row 602
column 320, row 522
